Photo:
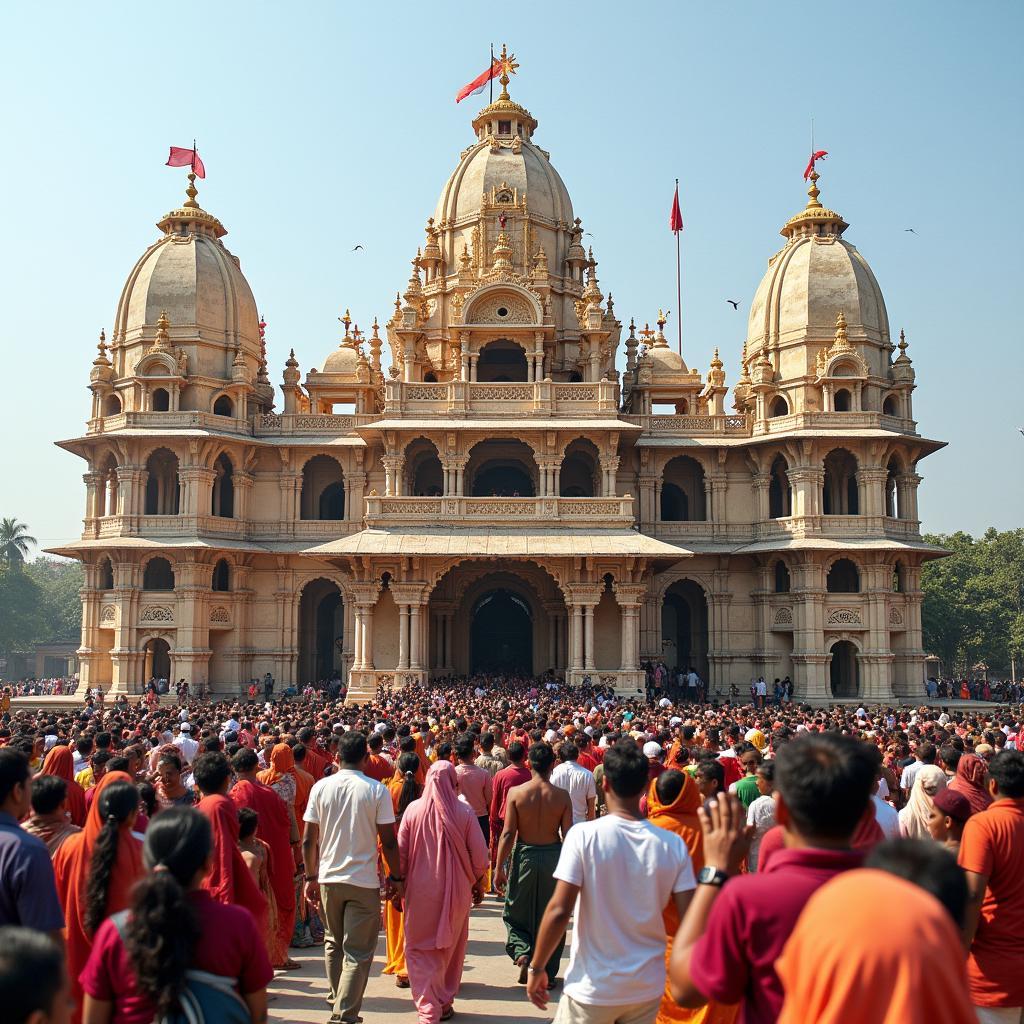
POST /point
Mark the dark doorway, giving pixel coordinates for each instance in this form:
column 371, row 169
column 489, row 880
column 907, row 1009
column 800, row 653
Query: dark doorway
column 506, row 480
column 501, row 636
column 844, row 670
column 158, row 659
column 684, row 624
column 321, row 629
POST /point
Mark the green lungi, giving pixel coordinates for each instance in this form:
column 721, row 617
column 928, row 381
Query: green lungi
column 531, row 884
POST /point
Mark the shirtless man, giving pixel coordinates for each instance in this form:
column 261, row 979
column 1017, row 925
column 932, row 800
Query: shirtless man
column 537, row 817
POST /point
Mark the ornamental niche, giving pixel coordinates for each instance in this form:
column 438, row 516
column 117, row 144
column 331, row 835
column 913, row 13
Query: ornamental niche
column 157, row 613
column 502, row 309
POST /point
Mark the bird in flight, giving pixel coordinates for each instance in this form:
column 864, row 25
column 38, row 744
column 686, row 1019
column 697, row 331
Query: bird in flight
column 733, row 303
column 357, row 247
column 911, row 230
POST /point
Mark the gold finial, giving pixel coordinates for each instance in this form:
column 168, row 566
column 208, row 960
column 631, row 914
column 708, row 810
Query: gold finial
column 813, row 191
column 398, row 301
column 902, row 345
column 647, row 333
column 346, row 320
column 357, row 335
column 375, row 328
column 192, row 191
column 632, row 327
column 716, row 362
column 102, row 346
column 662, row 319
column 508, row 67
column 163, row 333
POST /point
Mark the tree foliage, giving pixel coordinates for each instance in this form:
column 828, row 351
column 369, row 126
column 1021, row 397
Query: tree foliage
column 39, row 603
column 974, row 600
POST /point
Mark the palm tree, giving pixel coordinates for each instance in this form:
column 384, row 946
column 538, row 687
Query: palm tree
column 14, row 543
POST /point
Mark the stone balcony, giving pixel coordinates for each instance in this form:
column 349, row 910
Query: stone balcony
column 834, row 421
column 839, row 527
column 269, row 425
column 394, row 511
column 692, row 426
column 276, row 424
column 544, row 399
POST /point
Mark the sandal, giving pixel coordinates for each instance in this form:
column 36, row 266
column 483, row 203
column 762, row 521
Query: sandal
column 401, row 981
column 447, row 1013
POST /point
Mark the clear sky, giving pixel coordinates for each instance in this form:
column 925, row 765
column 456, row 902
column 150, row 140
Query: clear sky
column 326, row 125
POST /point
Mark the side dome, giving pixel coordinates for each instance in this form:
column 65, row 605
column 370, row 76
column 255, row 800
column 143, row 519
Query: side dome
column 813, row 278
column 192, row 276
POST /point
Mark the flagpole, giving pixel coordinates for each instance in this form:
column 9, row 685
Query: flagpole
column 679, row 287
column 491, row 80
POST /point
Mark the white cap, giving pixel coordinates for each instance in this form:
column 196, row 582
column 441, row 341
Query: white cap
column 675, row 720
column 652, row 749
column 550, row 736
column 185, row 727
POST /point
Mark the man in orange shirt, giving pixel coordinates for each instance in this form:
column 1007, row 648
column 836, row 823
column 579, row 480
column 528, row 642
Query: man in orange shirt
column 377, row 765
column 992, row 854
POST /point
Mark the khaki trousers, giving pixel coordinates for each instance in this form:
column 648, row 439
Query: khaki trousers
column 351, row 928
column 571, row 1012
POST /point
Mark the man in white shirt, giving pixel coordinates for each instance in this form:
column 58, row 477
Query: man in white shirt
column 616, row 973
column 188, row 746
column 925, row 755
column 347, row 813
column 577, row 781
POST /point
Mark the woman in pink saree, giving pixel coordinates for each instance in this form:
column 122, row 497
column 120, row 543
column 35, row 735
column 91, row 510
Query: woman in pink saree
column 443, row 861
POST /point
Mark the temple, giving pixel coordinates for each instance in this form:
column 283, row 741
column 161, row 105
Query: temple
column 521, row 485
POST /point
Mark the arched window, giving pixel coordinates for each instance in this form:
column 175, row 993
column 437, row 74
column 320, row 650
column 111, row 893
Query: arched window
column 106, row 497
column 111, row 405
column 843, row 401
column 430, row 378
column 899, row 578
column 780, row 492
column 682, row 491
column 501, row 360
column 161, row 400
column 223, row 497
column 843, row 577
column 891, row 405
column 163, row 489
column 840, row 492
column 224, row 406
column 892, row 501
column 424, row 474
column 502, row 467
column 781, row 577
column 323, row 489
column 222, row 575
column 779, row 407
column 580, row 474
column 158, row 575
column 105, row 575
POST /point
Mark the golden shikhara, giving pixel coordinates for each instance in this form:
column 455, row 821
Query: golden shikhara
column 499, row 477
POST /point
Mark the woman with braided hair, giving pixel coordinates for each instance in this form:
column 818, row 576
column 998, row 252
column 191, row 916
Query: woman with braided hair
column 96, row 868
column 176, row 946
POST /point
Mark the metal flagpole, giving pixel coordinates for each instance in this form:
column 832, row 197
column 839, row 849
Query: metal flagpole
column 491, row 68
column 679, row 287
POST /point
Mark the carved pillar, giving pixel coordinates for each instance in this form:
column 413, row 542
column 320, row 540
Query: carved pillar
column 416, row 636
column 761, row 510
column 576, row 637
column 93, row 492
column 403, row 636
column 588, row 642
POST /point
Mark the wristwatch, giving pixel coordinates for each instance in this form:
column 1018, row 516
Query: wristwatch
column 711, row 876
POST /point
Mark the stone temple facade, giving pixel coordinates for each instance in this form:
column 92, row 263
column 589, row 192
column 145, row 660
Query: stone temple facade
column 498, row 495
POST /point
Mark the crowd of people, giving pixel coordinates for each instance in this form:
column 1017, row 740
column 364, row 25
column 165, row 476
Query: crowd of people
column 752, row 862
column 55, row 686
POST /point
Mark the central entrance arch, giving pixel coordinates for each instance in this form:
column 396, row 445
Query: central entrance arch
column 158, row 659
column 844, row 670
column 321, row 632
column 684, row 628
column 501, row 634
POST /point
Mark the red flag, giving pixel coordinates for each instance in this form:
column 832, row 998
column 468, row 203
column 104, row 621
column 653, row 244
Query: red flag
column 818, row 154
column 675, row 219
column 476, row 87
column 186, row 158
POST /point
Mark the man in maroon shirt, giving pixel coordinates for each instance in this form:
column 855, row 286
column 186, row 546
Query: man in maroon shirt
column 732, row 934
column 508, row 778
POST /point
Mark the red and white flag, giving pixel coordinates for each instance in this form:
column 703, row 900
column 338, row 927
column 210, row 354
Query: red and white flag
column 476, row 87
column 675, row 218
column 186, row 158
column 816, row 155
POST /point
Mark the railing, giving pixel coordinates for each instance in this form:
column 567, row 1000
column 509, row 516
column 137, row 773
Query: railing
column 423, row 511
column 323, row 424
column 537, row 398
column 835, row 421
column 691, row 426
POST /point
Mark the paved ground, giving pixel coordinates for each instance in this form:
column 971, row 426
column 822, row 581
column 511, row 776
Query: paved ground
column 489, row 990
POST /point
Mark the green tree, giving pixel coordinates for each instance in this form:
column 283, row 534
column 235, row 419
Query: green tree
column 60, row 606
column 19, row 610
column 14, row 543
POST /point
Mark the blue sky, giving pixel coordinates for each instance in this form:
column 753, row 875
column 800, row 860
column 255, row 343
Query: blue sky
column 324, row 125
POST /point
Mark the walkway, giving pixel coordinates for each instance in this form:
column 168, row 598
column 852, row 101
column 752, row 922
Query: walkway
column 489, row 990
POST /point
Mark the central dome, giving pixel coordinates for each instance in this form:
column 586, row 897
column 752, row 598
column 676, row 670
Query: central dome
column 504, row 159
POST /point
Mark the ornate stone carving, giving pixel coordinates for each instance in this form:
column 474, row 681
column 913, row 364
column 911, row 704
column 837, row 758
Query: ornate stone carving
column 501, row 393
column 895, row 617
column 220, row 614
column 502, row 309
column 426, row 392
column 576, row 392
column 157, row 613
column 108, row 614
column 784, row 616
column 844, row 617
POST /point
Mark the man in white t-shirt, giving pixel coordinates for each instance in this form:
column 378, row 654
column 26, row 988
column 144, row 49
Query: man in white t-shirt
column 616, row 972
column 577, row 781
column 346, row 814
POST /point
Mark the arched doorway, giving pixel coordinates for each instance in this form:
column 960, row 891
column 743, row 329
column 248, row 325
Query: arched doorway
column 502, row 468
column 501, row 361
column 844, row 669
column 684, row 628
column 501, row 634
column 158, row 659
column 321, row 632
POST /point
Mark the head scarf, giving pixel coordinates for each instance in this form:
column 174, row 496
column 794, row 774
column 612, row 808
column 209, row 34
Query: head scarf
column 282, row 763
column 230, row 880
column 71, row 871
column 60, row 762
column 914, row 817
column 835, row 947
column 970, row 780
column 434, row 845
column 758, row 738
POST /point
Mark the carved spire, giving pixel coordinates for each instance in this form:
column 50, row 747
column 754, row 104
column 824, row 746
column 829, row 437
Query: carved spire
column 842, row 342
column 502, row 252
column 163, row 333
column 375, row 346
